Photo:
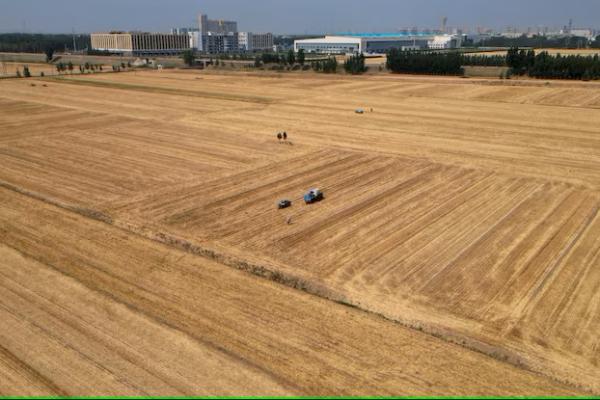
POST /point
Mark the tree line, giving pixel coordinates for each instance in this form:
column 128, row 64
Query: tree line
column 39, row 43
column 536, row 41
column 544, row 65
column 520, row 61
column 289, row 58
column 329, row 66
column 431, row 63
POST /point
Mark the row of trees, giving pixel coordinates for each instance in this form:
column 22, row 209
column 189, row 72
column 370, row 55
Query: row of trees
column 355, row 64
column 329, row 66
column 290, row 58
column 536, row 41
column 484, row 61
column 38, row 43
column 63, row 67
column 520, row 62
column 544, row 65
column 424, row 62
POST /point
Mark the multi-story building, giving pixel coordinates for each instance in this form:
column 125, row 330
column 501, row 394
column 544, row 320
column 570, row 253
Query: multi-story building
column 183, row 30
column 249, row 41
column 140, row 43
column 216, row 25
column 215, row 43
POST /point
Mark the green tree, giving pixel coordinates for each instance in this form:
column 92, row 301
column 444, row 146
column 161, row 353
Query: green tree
column 291, row 57
column 49, row 51
column 189, row 58
column 329, row 66
column 70, row 66
column 355, row 64
column 301, row 57
column 257, row 62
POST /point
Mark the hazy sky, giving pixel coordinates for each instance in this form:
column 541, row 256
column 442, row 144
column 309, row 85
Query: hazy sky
column 291, row 16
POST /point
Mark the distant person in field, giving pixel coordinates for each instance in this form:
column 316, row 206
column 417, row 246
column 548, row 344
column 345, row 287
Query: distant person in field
column 284, row 135
column 279, row 136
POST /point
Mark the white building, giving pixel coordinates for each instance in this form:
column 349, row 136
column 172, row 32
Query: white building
column 444, row 42
column 376, row 43
column 195, row 40
column 586, row 33
column 330, row 45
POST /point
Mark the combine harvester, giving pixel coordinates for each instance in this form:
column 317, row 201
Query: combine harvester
column 313, row 196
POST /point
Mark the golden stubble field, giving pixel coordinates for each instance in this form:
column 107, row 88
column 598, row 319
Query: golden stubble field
column 8, row 68
column 461, row 209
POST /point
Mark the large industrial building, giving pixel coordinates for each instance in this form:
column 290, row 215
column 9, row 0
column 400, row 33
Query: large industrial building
column 140, row 43
column 377, row 43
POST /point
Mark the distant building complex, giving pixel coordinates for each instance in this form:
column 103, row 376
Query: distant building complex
column 377, row 43
column 211, row 36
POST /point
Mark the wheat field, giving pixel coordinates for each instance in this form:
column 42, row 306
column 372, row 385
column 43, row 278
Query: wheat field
column 145, row 253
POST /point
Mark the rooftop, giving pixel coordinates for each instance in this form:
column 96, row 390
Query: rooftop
column 385, row 34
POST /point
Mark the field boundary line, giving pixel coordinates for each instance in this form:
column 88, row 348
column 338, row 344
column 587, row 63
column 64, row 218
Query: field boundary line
column 161, row 90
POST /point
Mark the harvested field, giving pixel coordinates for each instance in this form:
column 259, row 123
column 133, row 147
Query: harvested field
column 8, row 68
column 118, row 314
column 466, row 209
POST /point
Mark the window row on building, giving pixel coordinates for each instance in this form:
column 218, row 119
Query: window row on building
column 140, row 43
